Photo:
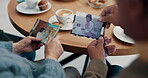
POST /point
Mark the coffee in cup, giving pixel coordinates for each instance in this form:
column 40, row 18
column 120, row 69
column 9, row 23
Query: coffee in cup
column 65, row 16
column 64, row 13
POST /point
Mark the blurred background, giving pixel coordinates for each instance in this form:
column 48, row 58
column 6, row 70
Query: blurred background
column 6, row 25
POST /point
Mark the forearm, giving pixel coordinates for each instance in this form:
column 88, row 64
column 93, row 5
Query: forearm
column 10, row 46
column 96, row 69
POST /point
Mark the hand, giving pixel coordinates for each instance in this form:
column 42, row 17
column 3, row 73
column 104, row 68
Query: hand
column 28, row 44
column 98, row 49
column 110, row 15
column 53, row 48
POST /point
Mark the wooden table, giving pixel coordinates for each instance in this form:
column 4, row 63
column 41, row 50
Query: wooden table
column 23, row 23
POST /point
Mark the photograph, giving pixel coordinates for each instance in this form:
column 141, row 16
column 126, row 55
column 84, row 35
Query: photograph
column 87, row 25
column 42, row 29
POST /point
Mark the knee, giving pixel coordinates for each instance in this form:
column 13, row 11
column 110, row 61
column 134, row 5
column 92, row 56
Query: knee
column 71, row 69
column 72, row 72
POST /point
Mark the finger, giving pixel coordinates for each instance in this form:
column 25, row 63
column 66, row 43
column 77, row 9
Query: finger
column 93, row 43
column 38, row 46
column 34, row 38
column 110, row 49
column 49, row 39
column 105, row 38
column 106, row 55
column 108, row 41
column 106, row 18
column 106, row 11
column 34, row 46
column 57, row 37
column 56, row 40
column 108, row 25
column 41, row 44
column 100, row 41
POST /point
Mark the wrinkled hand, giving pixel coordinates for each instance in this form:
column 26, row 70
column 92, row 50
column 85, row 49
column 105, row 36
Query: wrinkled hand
column 53, row 48
column 98, row 49
column 110, row 15
column 28, row 44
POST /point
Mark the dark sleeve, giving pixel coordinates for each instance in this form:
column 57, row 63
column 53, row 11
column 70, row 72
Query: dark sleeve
column 96, row 69
column 138, row 69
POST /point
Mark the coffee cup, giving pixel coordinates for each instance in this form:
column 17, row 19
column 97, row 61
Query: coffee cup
column 32, row 3
column 65, row 16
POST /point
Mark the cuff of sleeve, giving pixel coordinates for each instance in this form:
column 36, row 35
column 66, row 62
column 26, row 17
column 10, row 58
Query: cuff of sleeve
column 7, row 45
column 49, row 60
column 98, row 66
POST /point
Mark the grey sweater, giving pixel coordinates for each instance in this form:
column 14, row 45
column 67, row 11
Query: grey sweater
column 15, row 66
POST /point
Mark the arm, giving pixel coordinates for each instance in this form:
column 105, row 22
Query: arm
column 96, row 69
column 28, row 44
column 97, row 53
column 51, row 68
column 110, row 15
column 7, row 45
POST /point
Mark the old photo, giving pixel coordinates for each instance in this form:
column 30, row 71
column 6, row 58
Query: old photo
column 42, row 29
column 87, row 25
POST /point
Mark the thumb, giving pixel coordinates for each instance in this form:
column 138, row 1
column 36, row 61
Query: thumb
column 93, row 43
column 58, row 37
column 106, row 18
column 100, row 41
column 35, row 39
column 49, row 39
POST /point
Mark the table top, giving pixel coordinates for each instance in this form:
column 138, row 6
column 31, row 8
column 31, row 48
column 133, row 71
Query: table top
column 23, row 23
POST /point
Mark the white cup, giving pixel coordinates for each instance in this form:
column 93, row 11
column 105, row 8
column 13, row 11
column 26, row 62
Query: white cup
column 65, row 18
column 32, row 3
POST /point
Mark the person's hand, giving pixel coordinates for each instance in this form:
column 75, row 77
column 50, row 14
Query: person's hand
column 53, row 48
column 110, row 15
column 98, row 49
column 28, row 44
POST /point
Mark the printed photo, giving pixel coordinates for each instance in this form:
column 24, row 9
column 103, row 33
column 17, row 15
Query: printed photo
column 87, row 25
column 42, row 29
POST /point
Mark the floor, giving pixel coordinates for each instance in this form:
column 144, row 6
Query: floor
column 6, row 25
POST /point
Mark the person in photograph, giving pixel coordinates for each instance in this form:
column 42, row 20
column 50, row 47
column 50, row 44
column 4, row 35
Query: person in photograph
column 97, row 27
column 42, row 33
column 78, row 26
column 89, row 26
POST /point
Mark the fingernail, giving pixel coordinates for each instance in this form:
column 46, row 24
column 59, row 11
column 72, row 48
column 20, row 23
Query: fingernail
column 101, row 37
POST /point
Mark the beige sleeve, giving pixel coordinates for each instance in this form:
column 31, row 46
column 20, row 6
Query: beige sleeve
column 96, row 69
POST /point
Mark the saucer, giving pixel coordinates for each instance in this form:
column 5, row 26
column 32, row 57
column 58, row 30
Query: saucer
column 23, row 8
column 119, row 33
column 65, row 27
